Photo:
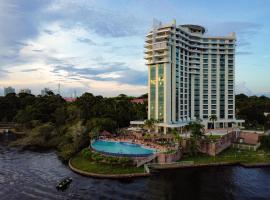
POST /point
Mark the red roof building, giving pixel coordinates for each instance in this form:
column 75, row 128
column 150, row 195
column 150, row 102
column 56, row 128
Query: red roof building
column 141, row 101
column 70, row 99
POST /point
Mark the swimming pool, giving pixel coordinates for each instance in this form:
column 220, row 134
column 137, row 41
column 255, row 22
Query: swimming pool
column 121, row 148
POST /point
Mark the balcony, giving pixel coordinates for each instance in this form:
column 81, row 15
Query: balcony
column 161, row 55
column 160, row 45
column 156, row 61
column 197, row 67
column 148, row 51
column 147, row 57
column 148, row 45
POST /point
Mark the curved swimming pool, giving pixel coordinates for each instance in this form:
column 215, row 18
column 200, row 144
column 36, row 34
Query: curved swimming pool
column 121, row 148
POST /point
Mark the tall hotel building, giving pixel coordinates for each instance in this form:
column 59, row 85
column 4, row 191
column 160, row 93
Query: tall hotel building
column 191, row 76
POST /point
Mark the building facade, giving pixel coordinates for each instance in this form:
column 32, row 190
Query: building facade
column 45, row 91
column 25, row 90
column 190, row 76
column 9, row 90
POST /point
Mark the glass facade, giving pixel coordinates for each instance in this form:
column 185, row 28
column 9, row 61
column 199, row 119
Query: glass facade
column 152, row 91
column 160, row 92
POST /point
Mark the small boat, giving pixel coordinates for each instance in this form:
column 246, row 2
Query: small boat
column 64, row 184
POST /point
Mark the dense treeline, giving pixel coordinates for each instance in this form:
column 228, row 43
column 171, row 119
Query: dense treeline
column 252, row 110
column 51, row 122
column 26, row 108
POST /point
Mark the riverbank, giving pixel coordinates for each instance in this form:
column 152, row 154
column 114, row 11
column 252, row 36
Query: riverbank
column 89, row 168
column 230, row 157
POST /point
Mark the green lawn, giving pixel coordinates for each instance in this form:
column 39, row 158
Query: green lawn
column 232, row 155
column 88, row 166
column 214, row 137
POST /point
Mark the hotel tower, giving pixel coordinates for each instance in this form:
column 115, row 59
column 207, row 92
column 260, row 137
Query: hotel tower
column 191, row 76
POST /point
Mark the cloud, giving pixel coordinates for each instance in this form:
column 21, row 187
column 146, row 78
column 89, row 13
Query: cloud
column 105, row 72
column 242, row 88
column 48, row 32
column 30, row 70
column 37, row 50
column 244, row 32
column 244, row 53
column 17, row 24
column 86, row 40
column 104, row 22
column 240, row 27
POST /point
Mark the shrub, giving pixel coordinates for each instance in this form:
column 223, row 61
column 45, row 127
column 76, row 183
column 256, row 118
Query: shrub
column 96, row 157
column 86, row 153
column 125, row 161
column 265, row 141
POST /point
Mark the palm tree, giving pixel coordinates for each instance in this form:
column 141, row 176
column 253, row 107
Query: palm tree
column 149, row 124
column 213, row 118
column 197, row 131
column 177, row 137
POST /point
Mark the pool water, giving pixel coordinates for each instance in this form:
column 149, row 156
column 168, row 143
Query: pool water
column 121, row 148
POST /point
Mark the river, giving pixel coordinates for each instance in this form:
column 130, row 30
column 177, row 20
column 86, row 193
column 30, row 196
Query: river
column 27, row 175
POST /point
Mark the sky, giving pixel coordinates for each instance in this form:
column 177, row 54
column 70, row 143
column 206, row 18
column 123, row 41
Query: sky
column 97, row 45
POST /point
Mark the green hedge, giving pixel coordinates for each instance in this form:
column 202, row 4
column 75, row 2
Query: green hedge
column 100, row 158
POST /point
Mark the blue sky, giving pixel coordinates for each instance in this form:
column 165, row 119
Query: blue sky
column 97, row 46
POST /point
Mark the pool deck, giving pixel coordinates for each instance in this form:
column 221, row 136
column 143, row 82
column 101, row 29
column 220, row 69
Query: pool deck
column 123, row 154
column 144, row 144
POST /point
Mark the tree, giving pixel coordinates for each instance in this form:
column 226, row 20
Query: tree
column 60, row 116
column 102, row 124
column 94, row 133
column 197, row 129
column 149, row 124
column 213, row 118
column 177, row 137
column 193, row 147
column 25, row 116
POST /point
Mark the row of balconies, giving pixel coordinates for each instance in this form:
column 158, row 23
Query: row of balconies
column 188, row 36
column 155, row 61
column 214, row 51
column 188, row 43
column 157, row 55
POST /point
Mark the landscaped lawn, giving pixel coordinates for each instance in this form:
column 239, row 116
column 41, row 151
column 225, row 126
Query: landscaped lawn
column 85, row 165
column 214, row 137
column 232, row 155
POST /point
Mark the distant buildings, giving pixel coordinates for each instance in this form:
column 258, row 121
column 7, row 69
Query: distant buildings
column 25, row 90
column 45, row 91
column 9, row 90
